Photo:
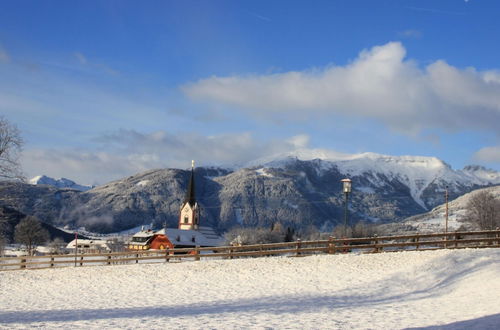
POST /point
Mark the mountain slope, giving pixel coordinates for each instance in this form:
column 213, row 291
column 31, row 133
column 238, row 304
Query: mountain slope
column 434, row 220
column 297, row 193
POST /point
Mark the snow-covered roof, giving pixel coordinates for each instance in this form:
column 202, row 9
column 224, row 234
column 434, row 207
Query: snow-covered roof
column 93, row 243
column 144, row 233
column 205, row 237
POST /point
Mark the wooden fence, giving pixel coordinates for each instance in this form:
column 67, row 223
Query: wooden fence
column 452, row 240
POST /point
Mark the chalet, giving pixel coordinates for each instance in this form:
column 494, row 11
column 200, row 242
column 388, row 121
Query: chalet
column 188, row 234
column 148, row 239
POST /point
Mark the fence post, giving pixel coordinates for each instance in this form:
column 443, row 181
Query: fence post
column 230, row 253
column 331, row 246
column 498, row 236
column 23, row 261
column 456, row 240
column 81, row 261
column 375, row 243
column 167, row 255
column 298, row 247
column 417, row 246
column 52, row 261
column 197, row 253
column 109, row 258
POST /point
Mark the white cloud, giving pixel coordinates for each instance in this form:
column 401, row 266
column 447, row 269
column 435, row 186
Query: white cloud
column 379, row 84
column 84, row 166
column 488, row 155
column 128, row 152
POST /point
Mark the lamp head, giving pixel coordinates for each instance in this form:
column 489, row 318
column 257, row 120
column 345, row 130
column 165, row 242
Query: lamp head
column 347, row 185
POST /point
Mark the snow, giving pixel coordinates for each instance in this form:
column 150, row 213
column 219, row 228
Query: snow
column 434, row 220
column 262, row 172
column 366, row 190
column 59, row 183
column 238, row 216
column 191, row 237
column 416, row 172
column 289, row 204
column 143, row 183
column 456, row 289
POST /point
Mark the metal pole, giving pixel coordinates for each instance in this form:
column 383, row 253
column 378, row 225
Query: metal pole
column 446, row 212
column 345, row 214
column 76, row 246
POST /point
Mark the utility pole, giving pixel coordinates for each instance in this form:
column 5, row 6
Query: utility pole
column 446, row 211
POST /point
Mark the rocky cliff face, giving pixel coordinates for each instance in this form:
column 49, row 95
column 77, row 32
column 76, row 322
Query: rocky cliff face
column 294, row 192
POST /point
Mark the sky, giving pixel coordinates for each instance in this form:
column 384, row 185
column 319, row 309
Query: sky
column 105, row 89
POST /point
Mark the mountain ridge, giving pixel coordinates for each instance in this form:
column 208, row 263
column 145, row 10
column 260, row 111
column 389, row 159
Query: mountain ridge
column 59, row 183
column 296, row 193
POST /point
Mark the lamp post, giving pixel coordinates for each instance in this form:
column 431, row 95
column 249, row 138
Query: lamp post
column 347, row 187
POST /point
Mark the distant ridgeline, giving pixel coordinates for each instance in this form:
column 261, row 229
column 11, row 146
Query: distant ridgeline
column 295, row 193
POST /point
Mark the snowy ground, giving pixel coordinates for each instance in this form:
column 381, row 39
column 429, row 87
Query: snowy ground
column 442, row 289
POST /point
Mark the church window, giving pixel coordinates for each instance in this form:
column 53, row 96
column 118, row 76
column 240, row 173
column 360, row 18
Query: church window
column 186, row 219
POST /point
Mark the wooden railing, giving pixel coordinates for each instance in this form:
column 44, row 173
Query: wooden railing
column 376, row 244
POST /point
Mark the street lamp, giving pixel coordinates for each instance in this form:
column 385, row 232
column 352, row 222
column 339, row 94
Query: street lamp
column 347, row 188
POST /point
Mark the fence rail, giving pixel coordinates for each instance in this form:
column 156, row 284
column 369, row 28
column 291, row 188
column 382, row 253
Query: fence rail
column 376, row 244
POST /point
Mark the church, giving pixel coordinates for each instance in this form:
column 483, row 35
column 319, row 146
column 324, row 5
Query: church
column 189, row 232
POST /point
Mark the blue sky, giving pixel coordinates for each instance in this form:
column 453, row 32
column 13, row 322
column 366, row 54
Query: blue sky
column 105, row 89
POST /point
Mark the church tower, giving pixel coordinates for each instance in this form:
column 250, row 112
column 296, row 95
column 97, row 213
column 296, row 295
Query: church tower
column 189, row 217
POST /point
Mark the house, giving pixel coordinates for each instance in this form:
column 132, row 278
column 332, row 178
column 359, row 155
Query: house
column 148, row 239
column 89, row 245
column 189, row 232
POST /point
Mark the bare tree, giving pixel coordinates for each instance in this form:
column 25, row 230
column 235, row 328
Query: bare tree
column 484, row 210
column 363, row 229
column 56, row 246
column 30, row 233
column 341, row 231
column 11, row 144
column 246, row 236
column 3, row 229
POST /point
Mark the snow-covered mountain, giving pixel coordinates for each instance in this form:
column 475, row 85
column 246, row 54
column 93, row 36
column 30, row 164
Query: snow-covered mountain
column 419, row 174
column 300, row 190
column 59, row 183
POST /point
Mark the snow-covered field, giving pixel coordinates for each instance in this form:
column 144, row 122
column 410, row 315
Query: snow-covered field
column 443, row 289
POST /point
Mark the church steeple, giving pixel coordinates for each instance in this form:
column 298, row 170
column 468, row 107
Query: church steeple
column 189, row 213
column 190, row 193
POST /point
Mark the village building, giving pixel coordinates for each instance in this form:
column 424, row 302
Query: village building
column 189, row 232
column 89, row 245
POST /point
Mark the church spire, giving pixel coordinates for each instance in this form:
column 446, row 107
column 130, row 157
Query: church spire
column 190, row 193
column 189, row 217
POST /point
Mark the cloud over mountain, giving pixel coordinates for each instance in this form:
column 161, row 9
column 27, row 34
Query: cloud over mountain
column 380, row 84
column 488, row 154
column 125, row 152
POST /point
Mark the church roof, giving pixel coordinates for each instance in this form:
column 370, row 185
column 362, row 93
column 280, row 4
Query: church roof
column 191, row 237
